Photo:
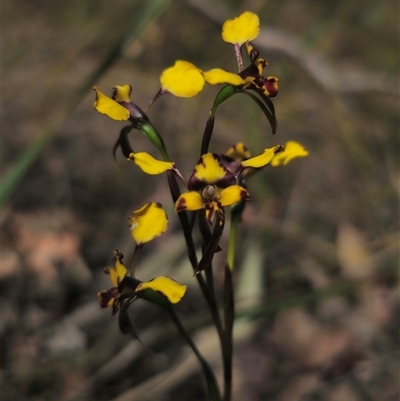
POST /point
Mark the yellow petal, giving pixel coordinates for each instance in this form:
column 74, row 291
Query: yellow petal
column 189, row 201
column 168, row 287
column 122, row 93
column 238, row 152
column 219, row 76
column 233, row 194
column 183, row 79
column 241, row 29
column 119, row 266
column 292, row 151
column 262, row 159
column 209, row 169
column 105, row 105
column 148, row 222
column 148, row 164
column 113, row 275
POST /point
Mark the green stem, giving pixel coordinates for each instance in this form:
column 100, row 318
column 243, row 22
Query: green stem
column 213, row 389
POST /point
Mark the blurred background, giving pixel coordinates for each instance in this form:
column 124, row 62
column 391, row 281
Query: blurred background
column 317, row 261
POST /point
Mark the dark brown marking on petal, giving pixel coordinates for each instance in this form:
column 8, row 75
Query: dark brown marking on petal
column 118, row 255
column 194, row 183
column 226, row 181
column 115, row 93
column 115, row 306
column 253, row 52
column 250, row 71
column 106, row 297
column 270, row 86
column 244, row 195
column 181, row 205
column 279, row 149
column 209, row 214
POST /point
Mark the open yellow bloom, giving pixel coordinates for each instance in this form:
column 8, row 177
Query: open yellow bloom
column 241, row 29
column 292, row 151
column 147, row 223
column 211, row 187
column 117, row 276
column 253, row 74
column 184, row 79
column 130, row 288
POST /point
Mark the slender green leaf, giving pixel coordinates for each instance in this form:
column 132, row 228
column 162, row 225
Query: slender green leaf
column 15, row 173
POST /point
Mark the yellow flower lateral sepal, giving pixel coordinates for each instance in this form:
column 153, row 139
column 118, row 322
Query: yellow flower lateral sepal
column 147, row 223
column 292, row 151
column 170, row 288
column 119, row 266
column 105, row 105
column 217, row 76
column 264, row 158
column 148, row 164
column 241, row 29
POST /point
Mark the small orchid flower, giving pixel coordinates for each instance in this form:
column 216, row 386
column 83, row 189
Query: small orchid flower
column 129, row 288
column 253, row 74
column 211, row 187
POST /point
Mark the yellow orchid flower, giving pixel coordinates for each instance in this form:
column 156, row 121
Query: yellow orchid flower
column 211, row 187
column 131, row 288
